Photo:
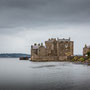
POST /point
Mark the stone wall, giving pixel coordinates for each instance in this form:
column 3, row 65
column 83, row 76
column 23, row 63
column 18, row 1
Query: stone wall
column 48, row 58
column 51, row 47
column 42, row 51
column 65, row 48
column 85, row 50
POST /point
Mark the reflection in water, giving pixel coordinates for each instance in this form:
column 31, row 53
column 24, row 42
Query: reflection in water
column 43, row 75
column 44, row 66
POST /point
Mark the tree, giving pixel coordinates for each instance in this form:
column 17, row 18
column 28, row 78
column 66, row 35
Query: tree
column 88, row 54
column 81, row 59
column 85, row 46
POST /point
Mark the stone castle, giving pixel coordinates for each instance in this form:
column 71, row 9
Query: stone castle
column 54, row 50
column 86, row 49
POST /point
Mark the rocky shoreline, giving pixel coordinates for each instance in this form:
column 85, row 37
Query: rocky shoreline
column 81, row 60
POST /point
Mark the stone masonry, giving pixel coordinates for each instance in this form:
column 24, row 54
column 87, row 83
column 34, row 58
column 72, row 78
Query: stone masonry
column 86, row 49
column 54, row 50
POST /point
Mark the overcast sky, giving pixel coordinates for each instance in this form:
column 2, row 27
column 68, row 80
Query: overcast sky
column 24, row 22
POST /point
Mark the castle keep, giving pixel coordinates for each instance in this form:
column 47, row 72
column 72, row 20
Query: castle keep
column 54, row 50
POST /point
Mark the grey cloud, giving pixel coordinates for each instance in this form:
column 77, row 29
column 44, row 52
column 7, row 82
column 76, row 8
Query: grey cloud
column 33, row 13
column 22, row 3
column 23, row 21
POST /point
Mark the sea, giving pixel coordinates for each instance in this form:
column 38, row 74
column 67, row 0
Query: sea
column 18, row 74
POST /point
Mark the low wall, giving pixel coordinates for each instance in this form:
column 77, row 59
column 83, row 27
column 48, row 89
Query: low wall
column 48, row 58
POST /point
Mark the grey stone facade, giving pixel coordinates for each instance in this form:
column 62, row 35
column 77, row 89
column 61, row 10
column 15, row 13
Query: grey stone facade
column 54, row 50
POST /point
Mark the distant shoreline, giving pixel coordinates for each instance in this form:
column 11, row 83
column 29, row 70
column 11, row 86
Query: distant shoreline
column 13, row 55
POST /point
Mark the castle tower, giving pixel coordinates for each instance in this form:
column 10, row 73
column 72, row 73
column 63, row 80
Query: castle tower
column 64, row 47
column 51, row 46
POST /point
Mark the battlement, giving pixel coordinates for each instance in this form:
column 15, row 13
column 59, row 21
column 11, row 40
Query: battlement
column 57, row 39
column 63, row 39
column 36, row 46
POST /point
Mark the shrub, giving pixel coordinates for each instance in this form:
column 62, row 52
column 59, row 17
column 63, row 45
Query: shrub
column 73, row 59
column 81, row 59
column 88, row 54
column 76, row 58
column 88, row 59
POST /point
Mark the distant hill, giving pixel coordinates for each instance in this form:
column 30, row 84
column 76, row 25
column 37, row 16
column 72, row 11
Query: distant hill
column 13, row 55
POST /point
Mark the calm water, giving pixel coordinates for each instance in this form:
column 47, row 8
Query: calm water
column 43, row 75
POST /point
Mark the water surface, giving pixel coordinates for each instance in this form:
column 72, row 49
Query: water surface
column 43, row 75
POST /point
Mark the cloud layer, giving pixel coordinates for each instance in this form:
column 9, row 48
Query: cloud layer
column 31, row 13
column 27, row 16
